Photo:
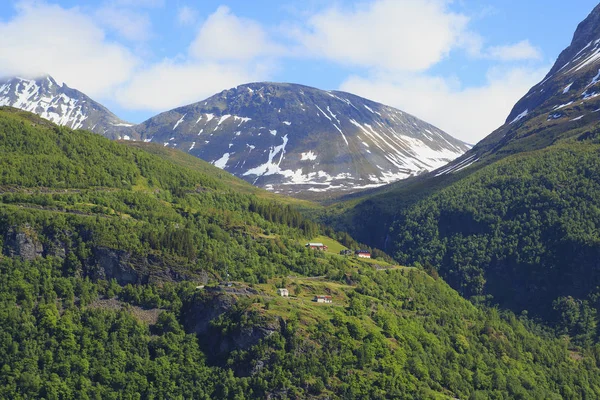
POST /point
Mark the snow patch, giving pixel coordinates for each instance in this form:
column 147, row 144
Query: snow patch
column 223, row 119
column 308, row 156
column 179, row 122
column 222, row 162
column 520, row 116
column 270, row 167
column 563, row 106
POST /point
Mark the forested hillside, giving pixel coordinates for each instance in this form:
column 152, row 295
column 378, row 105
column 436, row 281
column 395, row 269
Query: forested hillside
column 110, row 273
column 524, row 230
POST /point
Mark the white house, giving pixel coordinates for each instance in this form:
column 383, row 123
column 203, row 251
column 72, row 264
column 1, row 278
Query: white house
column 363, row 254
column 323, row 299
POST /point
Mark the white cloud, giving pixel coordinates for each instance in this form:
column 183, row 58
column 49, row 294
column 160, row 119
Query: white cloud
column 65, row 43
column 468, row 113
column 401, row 35
column 222, row 55
column 186, row 15
column 130, row 24
column 170, row 84
column 224, row 36
column 520, row 51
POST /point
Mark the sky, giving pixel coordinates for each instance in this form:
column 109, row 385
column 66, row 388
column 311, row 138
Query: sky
column 460, row 65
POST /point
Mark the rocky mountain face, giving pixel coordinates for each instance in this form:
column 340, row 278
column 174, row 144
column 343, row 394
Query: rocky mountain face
column 63, row 106
column 565, row 103
column 299, row 140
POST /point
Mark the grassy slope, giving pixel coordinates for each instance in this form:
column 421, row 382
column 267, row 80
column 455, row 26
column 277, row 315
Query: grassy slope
column 127, row 199
column 239, row 185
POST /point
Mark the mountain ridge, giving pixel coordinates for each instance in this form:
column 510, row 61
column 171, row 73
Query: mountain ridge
column 285, row 137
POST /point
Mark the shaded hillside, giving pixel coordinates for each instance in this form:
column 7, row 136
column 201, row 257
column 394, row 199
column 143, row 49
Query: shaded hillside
column 524, row 230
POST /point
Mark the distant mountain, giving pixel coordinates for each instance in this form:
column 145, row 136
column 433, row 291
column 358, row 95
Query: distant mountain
column 63, row 106
column 299, row 140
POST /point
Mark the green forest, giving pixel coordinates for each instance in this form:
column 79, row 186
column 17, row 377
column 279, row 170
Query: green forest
column 522, row 233
column 111, row 287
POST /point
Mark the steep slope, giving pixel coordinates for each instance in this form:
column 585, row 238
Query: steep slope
column 515, row 219
column 299, row 140
column 108, row 289
column 564, row 102
column 63, row 106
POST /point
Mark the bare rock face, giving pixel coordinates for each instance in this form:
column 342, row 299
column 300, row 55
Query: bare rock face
column 125, row 268
column 23, row 243
column 199, row 316
column 115, row 264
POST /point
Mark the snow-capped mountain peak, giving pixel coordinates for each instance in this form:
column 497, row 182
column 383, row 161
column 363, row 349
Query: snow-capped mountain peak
column 62, row 105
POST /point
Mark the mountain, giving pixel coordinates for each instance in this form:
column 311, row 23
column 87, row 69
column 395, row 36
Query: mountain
column 515, row 220
column 63, row 105
column 300, row 140
column 110, row 269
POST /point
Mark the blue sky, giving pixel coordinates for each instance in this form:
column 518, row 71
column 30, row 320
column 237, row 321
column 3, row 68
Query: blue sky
column 460, row 65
